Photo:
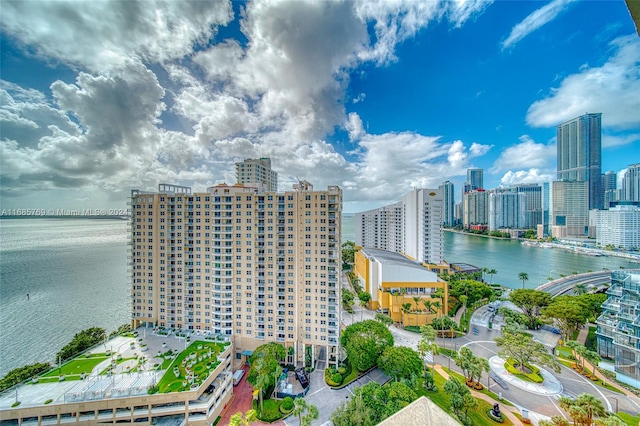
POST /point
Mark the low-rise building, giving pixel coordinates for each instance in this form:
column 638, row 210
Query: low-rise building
column 394, row 281
column 194, row 389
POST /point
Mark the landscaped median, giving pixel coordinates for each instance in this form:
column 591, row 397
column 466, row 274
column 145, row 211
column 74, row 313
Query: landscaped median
column 530, row 373
column 342, row 376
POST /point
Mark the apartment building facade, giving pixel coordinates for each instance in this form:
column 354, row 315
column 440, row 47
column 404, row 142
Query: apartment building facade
column 252, row 266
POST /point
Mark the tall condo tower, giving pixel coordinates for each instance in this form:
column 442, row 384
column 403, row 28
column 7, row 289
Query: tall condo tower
column 449, row 204
column 475, row 178
column 579, row 143
column 257, row 171
column 630, row 190
column 253, row 266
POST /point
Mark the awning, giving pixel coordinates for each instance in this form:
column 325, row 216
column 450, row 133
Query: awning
column 247, row 352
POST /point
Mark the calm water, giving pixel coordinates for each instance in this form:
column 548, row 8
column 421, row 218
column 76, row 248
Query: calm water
column 75, row 272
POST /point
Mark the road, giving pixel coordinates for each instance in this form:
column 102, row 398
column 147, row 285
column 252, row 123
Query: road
column 565, row 285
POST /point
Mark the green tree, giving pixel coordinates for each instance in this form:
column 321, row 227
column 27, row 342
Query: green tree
column 265, row 360
column 364, row 342
column 584, row 409
column 348, row 253
column 347, row 297
column 478, row 366
column 82, row 341
column 464, row 360
column 568, row 313
column 373, row 403
column 611, row 420
column 491, row 273
column 460, row 399
column 579, row 289
column 427, row 305
column 525, row 351
column 531, row 302
column 523, row 276
column 304, row 411
column 239, row 420
column 364, row 298
column 385, row 319
column 263, row 382
column 555, row 421
column 21, row 374
column 400, row 362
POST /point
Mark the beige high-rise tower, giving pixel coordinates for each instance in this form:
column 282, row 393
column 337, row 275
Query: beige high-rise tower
column 257, row 172
column 256, row 266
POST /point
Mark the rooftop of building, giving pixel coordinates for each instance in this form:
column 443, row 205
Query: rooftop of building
column 125, row 366
column 391, row 258
column 422, row 411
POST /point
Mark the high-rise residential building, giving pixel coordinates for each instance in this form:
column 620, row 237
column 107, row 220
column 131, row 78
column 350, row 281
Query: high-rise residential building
column 507, row 210
column 252, row 266
column 257, row 171
column 423, row 239
column 475, row 209
column 569, row 213
column 618, row 333
column 381, row 228
column 580, row 153
column 630, row 190
column 449, row 204
column 609, row 188
column 619, row 227
column 412, row 226
column 533, row 205
column 475, row 178
column 545, row 229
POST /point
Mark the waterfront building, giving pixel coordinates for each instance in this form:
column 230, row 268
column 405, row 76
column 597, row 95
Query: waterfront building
column 393, row 280
column 630, row 190
column 619, row 227
column 609, row 181
column 381, row 228
column 569, row 213
column 257, row 172
column 475, row 178
column 252, row 266
column 475, row 209
column 449, row 204
column 412, row 226
column 579, row 155
column 124, row 397
column 533, row 202
column 507, row 210
column 618, row 332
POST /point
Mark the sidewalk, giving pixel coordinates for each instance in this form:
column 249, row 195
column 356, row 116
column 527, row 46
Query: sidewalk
column 507, row 410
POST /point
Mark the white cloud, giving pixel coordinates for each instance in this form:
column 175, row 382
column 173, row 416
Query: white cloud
column 98, row 34
column 525, row 176
column 611, row 89
column 354, row 126
column 525, row 154
column 610, row 141
column 535, row 20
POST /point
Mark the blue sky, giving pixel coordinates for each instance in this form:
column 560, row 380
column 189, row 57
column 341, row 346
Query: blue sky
column 377, row 97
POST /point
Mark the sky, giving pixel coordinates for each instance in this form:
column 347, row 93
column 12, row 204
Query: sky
column 101, row 97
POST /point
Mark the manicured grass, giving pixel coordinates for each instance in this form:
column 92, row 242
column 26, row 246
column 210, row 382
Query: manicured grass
column 484, row 390
column 629, row 419
column 171, row 383
column 440, row 398
column 77, row 366
column 270, row 410
column 564, row 352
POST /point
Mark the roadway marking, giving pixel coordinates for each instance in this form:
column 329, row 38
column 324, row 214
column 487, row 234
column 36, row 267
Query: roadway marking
column 557, row 408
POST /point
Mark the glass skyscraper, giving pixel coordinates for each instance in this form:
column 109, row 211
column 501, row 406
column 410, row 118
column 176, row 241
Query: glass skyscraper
column 580, row 153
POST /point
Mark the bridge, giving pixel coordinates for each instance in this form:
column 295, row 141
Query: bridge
column 565, row 285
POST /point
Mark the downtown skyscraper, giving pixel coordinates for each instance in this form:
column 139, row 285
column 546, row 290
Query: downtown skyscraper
column 579, row 176
column 579, row 143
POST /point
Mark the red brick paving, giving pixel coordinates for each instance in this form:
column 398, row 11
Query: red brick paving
column 242, row 401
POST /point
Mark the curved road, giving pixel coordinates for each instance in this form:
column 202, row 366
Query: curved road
column 565, row 285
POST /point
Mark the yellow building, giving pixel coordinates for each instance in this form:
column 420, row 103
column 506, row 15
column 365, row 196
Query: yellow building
column 395, row 281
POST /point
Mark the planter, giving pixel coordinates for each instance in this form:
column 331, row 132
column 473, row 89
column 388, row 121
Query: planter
column 61, row 378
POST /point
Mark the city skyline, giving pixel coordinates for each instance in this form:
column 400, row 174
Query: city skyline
column 376, row 98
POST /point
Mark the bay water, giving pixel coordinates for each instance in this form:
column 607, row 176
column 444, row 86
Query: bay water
column 61, row 276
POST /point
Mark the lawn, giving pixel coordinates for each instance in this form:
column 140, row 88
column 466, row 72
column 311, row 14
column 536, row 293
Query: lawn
column 270, row 410
column 77, row 366
column 484, row 390
column 478, row 416
column 629, row 419
column 196, row 354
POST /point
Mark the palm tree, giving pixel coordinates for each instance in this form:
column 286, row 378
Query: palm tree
column 491, row 273
column 524, row 277
column 276, row 374
column 427, row 305
column 579, row 289
column 239, row 420
column 262, row 383
column 417, row 300
column 305, row 411
column 591, row 405
column 437, row 305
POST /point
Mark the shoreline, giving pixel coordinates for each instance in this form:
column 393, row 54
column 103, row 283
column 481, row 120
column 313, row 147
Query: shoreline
column 586, row 251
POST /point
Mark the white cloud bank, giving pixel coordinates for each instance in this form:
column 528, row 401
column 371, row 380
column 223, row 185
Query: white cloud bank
column 612, row 89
